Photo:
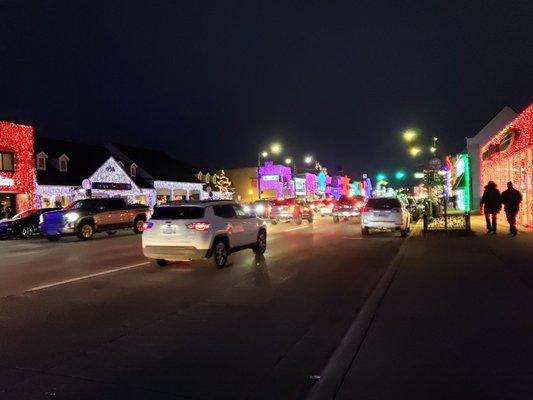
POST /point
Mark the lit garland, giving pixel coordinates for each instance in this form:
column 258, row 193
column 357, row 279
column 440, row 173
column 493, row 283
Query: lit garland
column 18, row 139
column 508, row 156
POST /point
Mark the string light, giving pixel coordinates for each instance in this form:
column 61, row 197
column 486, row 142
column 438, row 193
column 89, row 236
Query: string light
column 275, row 177
column 18, row 139
column 508, row 156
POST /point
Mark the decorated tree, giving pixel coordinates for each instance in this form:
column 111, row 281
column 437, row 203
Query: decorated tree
column 222, row 182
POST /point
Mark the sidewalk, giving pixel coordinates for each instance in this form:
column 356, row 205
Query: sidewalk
column 455, row 323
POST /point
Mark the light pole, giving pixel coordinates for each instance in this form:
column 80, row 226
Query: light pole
column 262, row 155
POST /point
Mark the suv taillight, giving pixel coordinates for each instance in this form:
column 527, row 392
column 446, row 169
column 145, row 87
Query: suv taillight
column 199, row 226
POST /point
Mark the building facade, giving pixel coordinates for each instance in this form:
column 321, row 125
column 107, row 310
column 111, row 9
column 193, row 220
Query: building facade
column 508, row 156
column 17, row 172
column 474, row 145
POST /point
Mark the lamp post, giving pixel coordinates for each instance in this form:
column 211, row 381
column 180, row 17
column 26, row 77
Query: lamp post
column 262, row 155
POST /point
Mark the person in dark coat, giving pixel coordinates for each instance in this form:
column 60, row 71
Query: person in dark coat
column 491, row 204
column 511, row 199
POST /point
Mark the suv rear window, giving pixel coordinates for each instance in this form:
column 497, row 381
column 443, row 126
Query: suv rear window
column 383, row 203
column 181, row 212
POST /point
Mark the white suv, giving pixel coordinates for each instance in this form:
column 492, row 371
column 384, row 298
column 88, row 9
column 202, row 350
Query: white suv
column 385, row 213
column 196, row 230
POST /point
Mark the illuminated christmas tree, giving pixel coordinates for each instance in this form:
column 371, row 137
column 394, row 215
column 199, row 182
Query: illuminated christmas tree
column 222, row 182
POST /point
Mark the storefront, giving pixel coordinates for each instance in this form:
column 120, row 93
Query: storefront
column 461, row 183
column 275, row 181
column 17, row 173
column 508, row 156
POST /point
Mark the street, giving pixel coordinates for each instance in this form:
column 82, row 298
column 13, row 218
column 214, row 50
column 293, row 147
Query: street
column 95, row 319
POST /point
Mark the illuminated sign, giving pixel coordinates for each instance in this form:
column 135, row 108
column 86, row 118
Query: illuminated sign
column 111, row 186
column 6, row 181
column 270, row 178
column 506, row 140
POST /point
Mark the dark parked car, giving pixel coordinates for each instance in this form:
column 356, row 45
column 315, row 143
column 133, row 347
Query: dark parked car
column 84, row 218
column 348, row 207
column 24, row 224
column 290, row 210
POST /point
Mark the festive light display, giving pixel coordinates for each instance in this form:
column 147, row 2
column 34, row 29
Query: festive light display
column 311, row 184
column 18, row 139
column 188, row 187
column 48, row 195
column 277, row 178
column 222, row 182
column 508, row 156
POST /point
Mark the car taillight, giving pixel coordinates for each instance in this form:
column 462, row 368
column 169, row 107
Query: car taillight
column 199, row 226
column 147, row 225
column 291, row 208
column 360, row 204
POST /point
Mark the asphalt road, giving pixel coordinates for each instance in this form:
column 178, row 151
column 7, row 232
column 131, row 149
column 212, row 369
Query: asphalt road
column 95, row 320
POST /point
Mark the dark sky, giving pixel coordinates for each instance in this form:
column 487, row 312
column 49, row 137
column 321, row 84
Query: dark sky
column 214, row 81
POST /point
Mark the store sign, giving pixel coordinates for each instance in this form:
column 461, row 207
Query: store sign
column 271, row 178
column 506, row 140
column 300, row 186
column 6, row 181
column 111, row 186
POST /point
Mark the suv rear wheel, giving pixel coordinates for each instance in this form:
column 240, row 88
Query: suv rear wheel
column 365, row 231
column 261, row 244
column 220, row 254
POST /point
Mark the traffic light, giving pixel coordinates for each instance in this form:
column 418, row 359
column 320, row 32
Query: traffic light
column 399, row 175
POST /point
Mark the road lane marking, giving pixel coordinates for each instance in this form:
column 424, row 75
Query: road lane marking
column 80, row 278
column 294, row 229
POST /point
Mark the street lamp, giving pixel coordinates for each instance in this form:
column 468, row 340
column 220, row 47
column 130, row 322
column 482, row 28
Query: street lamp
column 264, row 154
column 308, row 159
column 288, row 161
column 414, row 151
column 275, row 148
column 409, row 135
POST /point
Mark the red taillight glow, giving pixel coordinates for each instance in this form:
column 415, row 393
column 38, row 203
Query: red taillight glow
column 360, row 204
column 199, row 226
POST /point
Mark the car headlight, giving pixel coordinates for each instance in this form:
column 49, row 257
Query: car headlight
column 41, row 219
column 246, row 209
column 260, row 208
column 72, row 216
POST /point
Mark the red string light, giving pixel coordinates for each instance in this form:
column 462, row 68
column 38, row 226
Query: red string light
column 514, row 163
column 18, row 139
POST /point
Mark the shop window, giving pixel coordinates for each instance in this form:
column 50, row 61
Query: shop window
column 63, row 163
column 133, row 170
column 6, row 162
column 41, row 161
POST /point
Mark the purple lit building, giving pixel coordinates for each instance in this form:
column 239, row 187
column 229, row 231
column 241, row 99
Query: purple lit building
column 275, row 181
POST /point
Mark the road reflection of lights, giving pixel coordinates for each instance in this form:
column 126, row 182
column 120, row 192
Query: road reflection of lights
column 260, row 271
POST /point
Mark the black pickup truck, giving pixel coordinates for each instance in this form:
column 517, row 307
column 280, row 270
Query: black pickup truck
column 84, row 218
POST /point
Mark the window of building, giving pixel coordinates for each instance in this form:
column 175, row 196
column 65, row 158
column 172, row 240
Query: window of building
column 63, row 163
column 133, row 170
column 6, row 162
column 41, row 161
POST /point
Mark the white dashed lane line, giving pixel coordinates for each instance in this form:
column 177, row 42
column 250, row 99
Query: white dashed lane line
column 80, row 278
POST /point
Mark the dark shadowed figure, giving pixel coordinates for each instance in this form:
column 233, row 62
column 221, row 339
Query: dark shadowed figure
column 491, row 204
column 511, row 199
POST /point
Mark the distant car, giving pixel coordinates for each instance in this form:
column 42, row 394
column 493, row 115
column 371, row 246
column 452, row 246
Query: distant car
column 290, row 210
column 261, row 208
column 347, row 207
column 385, row 213
column 204, row 229
column 84, row 218
column 326, row 207
column 413, row 208
column 24, row 224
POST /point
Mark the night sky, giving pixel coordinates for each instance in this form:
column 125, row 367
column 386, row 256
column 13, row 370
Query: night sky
column 213, row 82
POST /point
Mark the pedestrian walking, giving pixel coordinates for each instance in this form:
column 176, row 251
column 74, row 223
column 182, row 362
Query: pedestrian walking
column 511, row 199
column 491, row 205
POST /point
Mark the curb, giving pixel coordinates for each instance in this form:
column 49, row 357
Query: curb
column 338, row 365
